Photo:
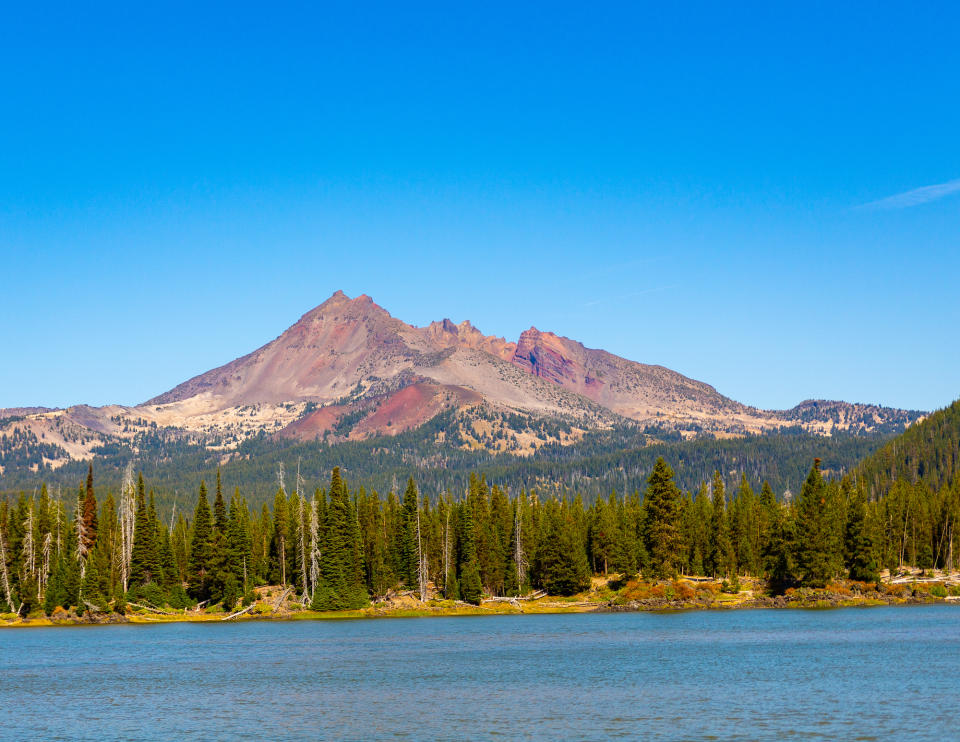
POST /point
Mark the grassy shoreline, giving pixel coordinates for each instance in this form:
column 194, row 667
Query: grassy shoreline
column 605, row 596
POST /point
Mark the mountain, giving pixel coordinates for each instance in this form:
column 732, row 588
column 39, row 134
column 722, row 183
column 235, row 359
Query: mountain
column 349, row 371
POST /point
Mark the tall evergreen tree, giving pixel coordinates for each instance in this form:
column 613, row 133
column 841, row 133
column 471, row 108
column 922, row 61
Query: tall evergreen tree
column 89, row 513
column 341, row 577
column 145, row 557
column 721, row 550
column 219, row 508
column 861, row 552
column 661, row 505
column 471, row 588
column 816, row 545
column 198, row 576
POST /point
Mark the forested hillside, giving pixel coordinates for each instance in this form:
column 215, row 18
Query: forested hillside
column 926, row 453
column 599, row 462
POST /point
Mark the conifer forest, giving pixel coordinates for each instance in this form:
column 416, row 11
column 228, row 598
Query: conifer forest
column 339, row 547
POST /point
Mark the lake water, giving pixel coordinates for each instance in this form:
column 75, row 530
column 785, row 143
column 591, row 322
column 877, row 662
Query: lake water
column 876, row 673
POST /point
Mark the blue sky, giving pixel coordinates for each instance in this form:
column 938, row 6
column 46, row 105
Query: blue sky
column 763, row 197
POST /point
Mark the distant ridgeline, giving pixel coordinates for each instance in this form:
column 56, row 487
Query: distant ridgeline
column 600, row 462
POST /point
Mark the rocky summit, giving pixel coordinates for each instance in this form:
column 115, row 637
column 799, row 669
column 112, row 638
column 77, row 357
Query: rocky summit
column 348, row 370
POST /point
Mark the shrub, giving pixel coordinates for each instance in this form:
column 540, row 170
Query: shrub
column 838, row 588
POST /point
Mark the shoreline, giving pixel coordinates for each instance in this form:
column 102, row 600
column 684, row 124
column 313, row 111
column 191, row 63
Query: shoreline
column 636, row 597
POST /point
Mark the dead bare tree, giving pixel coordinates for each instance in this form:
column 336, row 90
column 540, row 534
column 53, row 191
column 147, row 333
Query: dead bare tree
column 127, row 523
column 314, row 548
column 59, row 514
column 29, row 552
column 44, row 575
column 519, row 557
column 421, row 559
column 302, row 537
column 283, row 540
column 6, row 577
column 81, row 553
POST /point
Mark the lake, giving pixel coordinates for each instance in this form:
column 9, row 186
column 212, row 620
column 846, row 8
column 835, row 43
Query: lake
column 870, row 673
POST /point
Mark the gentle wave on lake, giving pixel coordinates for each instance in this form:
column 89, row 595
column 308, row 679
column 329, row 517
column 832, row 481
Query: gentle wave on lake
column 875, row 673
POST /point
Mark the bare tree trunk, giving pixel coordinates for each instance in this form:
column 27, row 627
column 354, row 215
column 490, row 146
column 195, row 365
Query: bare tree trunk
column 44, row 574
column 446, row 553
column 314, row 548
column 421, row 561
column 127, row 524
column 302, row 538
column 950, row 550
column 59, row 513
column 5, row 575
column 29, row 553
column 81, row 553
column 519, row 557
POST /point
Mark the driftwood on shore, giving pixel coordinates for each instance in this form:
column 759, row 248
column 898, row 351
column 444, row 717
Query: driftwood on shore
column 240, row 612
column 515, row 598
column 283, row 596
column 152, row 609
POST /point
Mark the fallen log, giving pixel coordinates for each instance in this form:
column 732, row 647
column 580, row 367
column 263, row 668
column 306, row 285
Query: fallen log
column 151, row 608
column 239, row 613
column 283, row 596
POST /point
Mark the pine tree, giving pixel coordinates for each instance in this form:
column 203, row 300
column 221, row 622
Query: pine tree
column 200, row 549
column 341, row 576
column 562, row 566
column 780, row 557
column 144, row 560
column 662, row 533
column 89, row 514
column 219, row 509
column 721, row 551
column 408, row 546
column 470, row 587
column 815, row 542
column 861, row 552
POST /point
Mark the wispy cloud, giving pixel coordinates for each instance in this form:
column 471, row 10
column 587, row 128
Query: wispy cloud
column 630, row 295
column 915, row 197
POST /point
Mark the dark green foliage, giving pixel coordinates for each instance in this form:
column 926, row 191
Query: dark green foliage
column 408, row 536
column 340, row 586
column 89, row 511
column 818, row 530
column 928, row 452
column 201, row 550
column 720, row 558
column 858, row 542
column 145, row 560
column 368, row 545
column 562, row 567
column 471, row 589
column 661, row 535
column 219, row 508
column 601, row 461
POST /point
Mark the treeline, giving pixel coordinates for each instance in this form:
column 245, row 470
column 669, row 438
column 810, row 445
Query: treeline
column 595, row 465
column 339, row 547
